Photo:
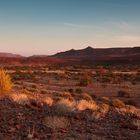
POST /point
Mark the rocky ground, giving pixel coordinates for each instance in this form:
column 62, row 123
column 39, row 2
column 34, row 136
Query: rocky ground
column 24, row 118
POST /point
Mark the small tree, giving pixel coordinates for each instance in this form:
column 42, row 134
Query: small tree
column 5, row 81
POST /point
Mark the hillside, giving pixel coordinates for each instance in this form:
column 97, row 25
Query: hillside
column 9, row 55
column 87, row 56
column 92, row 53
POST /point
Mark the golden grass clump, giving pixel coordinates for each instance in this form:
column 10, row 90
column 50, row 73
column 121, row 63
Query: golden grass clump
column 55, row 122
column 84, row 104
column 131, row 109
column 47, row 101
column 104, row 107
column 101, row 112
column 86, row 96
column 20, row 98
column 5, row 81
column 105, row 100
column 118, row 103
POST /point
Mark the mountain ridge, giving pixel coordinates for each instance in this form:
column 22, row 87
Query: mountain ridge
column 99, row 52
column 10, row 55
column 86, row 56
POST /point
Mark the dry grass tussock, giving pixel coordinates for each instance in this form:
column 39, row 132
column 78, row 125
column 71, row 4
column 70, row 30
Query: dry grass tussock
column 55, row 122
column 101, row 111
column 22, row 98
column 86, row 96
column 47, row 101
column 136, row 123
column 104, row 107
column 63, row 106
column 5, row 81
column 84, row 104
column 129, row 110
column 27, row 98
column 118, row 103
column 105, row 100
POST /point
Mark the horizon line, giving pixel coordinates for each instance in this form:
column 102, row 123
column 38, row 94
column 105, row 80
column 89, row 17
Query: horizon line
column 22, row 55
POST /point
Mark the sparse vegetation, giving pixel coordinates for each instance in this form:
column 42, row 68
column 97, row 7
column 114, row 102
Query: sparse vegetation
column 118, row 103
column 131, row 102
column 5, row 81
column 55, row 122
column 52, row 101
column 84, row 104
column 87, row 97
column 64, row 106
column 78, row 90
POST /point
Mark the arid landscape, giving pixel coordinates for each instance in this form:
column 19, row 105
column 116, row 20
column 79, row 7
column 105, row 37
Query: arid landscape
column 70, row 101
column 70, row 70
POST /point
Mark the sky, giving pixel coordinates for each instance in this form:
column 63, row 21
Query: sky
column 30, row 27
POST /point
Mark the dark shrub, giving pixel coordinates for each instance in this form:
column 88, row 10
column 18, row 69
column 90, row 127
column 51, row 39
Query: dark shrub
column 131, row 102
column 71, row 90
column 123, row 93
column 78, row 90
column 83, row 82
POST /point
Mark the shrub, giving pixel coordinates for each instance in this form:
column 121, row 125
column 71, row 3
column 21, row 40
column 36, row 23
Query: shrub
column 92, row 95
column 118, row 103
column 65, row 95
column 101, row 112
column 136, row 122
column 47, row 101
column 78, row 90
column 43, row 91
column 71, row 90
column 104, row 106
column 105, row 100
column 131, row 109
column 131, row 102
column 5, row 81
column 83, row 82
column 123, row 93
column 62, row 107
column 21, row 98
column 84, row 104
column 86, row 96
column 55, row 122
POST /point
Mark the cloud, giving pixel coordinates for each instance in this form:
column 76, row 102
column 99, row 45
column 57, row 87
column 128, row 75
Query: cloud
column 73, row 25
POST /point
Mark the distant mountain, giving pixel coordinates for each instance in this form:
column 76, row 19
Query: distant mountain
column 38, row 56
column 9, row 55
column 89, row 55
column 99, row 53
